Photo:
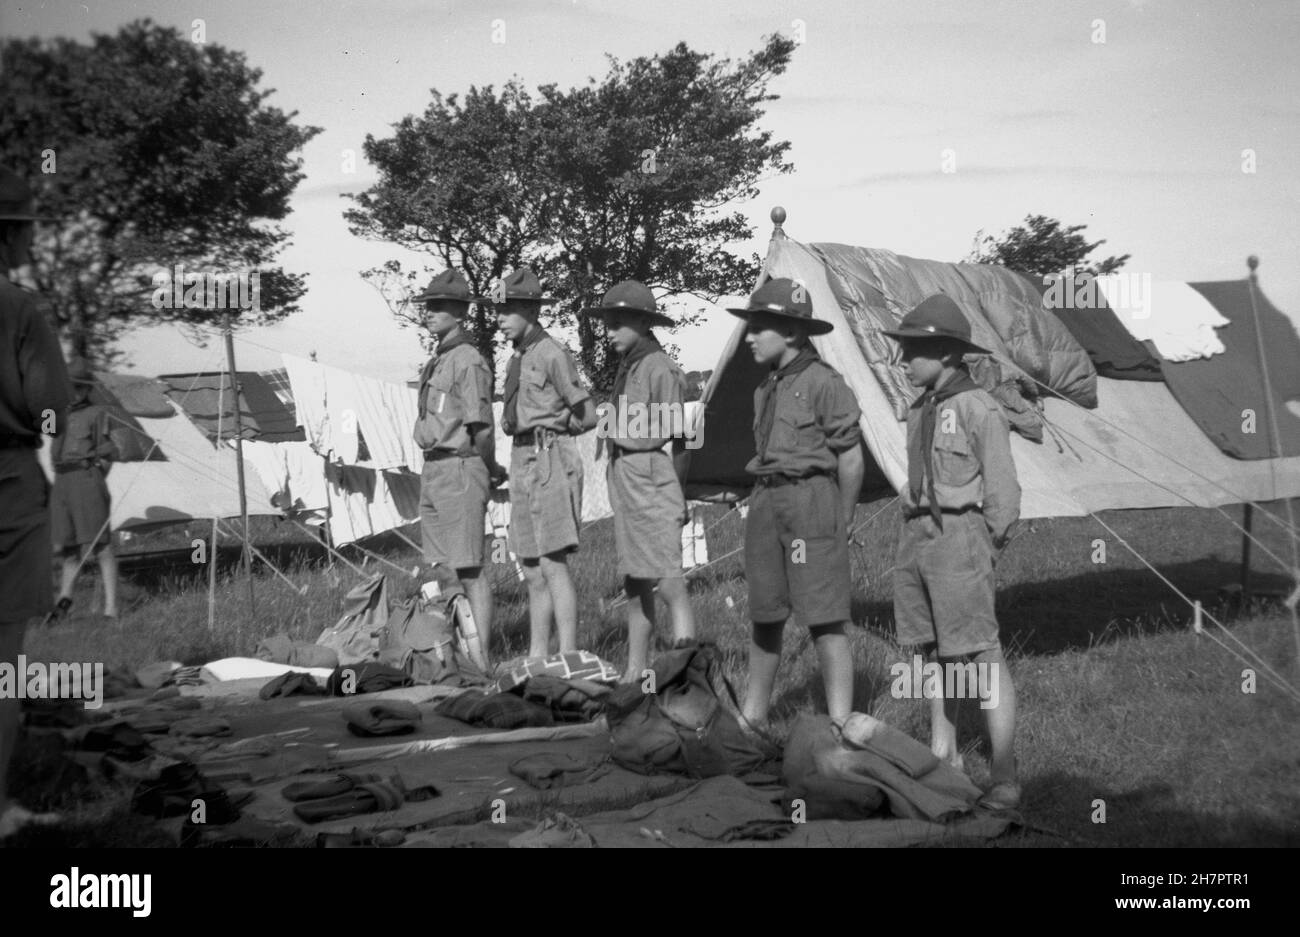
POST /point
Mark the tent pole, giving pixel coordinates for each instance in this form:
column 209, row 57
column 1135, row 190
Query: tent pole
column 329, row 515
column 1247, row 515
column 239, row 452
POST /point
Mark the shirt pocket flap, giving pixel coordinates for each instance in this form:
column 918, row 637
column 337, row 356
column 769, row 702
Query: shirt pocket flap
column 954, row 442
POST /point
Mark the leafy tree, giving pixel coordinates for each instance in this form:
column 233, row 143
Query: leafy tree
column 153, row 150
column 627, row 177
column 1041, row 247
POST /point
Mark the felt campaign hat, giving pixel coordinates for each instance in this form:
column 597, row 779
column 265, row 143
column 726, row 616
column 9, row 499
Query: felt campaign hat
column 630, row 296
column 17, row 203
column 522, row 284
column 936, row 316
column 783, row 298
column 450, row 284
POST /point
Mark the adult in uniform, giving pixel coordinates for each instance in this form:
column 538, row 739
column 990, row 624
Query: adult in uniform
column 34, row 397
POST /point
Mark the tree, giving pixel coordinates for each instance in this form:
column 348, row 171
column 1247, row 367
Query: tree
column 153, row 151
column 628, row 177
column 1043, row 247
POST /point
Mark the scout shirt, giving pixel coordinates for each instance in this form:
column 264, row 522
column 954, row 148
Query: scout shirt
column 816, row 419
column 654, row 401
column 549, row 388
column 33, row 375
column 972, row 460
column 455, row 393
column 85, row 438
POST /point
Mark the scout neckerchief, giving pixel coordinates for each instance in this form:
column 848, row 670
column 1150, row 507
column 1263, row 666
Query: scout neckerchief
column 444, row 346
column 642, row 348
column 510, row 413
column 920, row 451
column 767, row 403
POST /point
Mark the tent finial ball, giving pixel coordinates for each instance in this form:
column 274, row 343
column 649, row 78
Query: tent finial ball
column 778, row 218
column 1252, row 262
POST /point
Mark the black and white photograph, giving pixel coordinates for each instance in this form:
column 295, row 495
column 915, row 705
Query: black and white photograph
column 585, row 424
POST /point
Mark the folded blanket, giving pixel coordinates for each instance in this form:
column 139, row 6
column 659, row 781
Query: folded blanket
column 381, row 717
column 553, row 769
column 497, row 711
column 291, row 684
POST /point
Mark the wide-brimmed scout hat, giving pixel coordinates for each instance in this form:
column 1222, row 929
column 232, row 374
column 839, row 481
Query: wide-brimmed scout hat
column 17, row 203
column 630, row 296
column 79, row 371
column 449, row 284
column 783, row 298
column 936, row 316
column 522, row 284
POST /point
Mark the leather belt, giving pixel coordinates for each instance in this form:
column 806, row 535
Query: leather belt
column 439, row 455
column 780, row 481
column 925, row 512
column 537, row 438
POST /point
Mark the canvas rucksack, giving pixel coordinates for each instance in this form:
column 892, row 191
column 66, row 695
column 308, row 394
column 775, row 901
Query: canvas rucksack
column 682, row 727
column 355, row 637
column 421, row 642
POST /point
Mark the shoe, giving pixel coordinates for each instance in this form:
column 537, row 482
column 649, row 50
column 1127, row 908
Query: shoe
column 1002, row 796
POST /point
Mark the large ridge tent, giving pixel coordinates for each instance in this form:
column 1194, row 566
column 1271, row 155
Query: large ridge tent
column 1136, row 448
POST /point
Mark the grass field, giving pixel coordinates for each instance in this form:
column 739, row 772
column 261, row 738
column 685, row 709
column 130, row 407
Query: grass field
column 1119, row 701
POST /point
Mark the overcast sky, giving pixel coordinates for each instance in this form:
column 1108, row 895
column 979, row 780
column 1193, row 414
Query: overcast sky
column 1140, row 136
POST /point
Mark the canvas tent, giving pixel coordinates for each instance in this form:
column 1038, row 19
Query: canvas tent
column 1137, row 448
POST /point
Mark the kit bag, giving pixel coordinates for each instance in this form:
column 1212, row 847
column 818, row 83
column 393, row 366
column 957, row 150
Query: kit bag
column 682, row 726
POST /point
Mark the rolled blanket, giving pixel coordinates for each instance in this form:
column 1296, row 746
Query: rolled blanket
column 381, row 717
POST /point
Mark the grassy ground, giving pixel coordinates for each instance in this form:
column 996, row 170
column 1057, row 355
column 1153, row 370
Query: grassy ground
column 1119, row 701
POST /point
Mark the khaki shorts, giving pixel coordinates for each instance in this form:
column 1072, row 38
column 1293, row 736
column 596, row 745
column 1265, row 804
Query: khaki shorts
column 453, row 502
column 79, row 509
column 26, row 589
column 545, row 498
column 943, row 585
column 649, row 509
column 810, row 577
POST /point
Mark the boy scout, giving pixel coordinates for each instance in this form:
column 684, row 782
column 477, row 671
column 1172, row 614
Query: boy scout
column 33, row 386
column 80, row 505
column 809, row 470
column 646, row 410
column 961, row 501
column 545, row 407
column 454, row 430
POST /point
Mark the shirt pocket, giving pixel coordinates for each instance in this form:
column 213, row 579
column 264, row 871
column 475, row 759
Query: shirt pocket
column 955, row 463
column 796, row 426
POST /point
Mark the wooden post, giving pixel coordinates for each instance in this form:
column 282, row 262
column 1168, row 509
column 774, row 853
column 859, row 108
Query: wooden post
column 239, row 453
column 1247, row 516
column 212, row 574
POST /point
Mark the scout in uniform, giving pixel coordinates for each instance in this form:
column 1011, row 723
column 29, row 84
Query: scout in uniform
column 962, row 499
column 545, row 407
column 646, row 410
column 808, row 469
column 454, row 429
column 80, row 505
column 33, row 388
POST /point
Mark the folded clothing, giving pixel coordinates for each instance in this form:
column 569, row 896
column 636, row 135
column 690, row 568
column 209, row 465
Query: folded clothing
column 495, row 711
column 901, row 750
column 569, row 700
column 367, row 677
column 328, row 787
column 281, row 649
column 292, row 683
column 556, row 832
column 348, row 795
column 381, row 717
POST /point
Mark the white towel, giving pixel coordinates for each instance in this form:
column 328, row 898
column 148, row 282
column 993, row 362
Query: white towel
column 1177, row 319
